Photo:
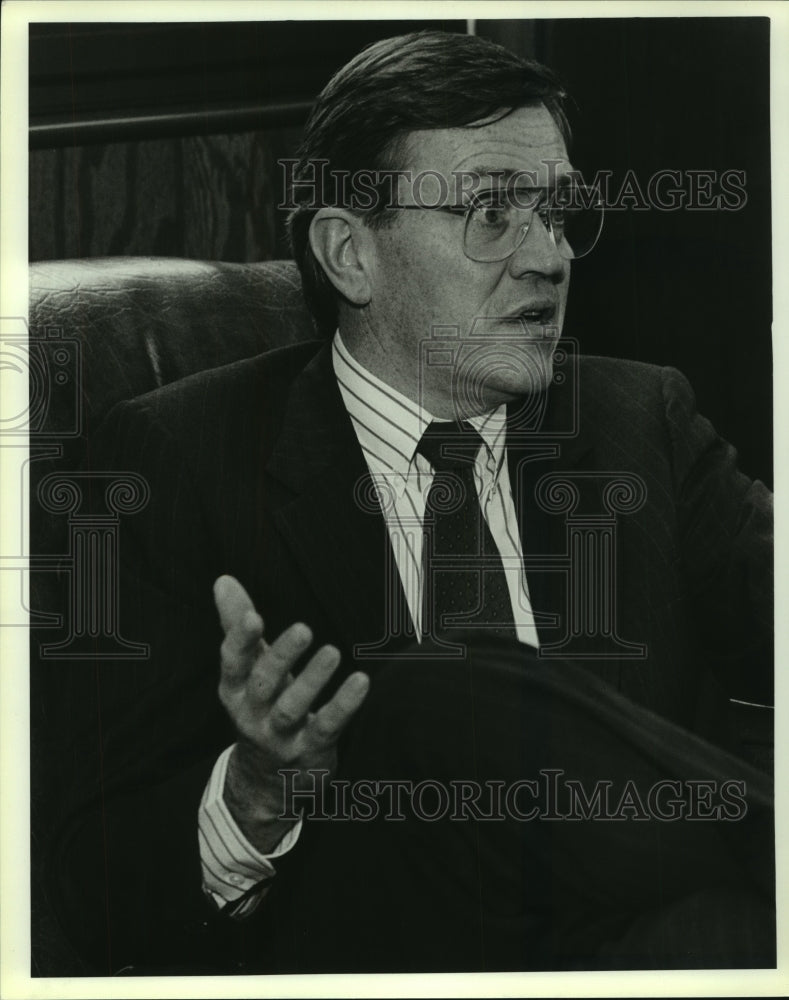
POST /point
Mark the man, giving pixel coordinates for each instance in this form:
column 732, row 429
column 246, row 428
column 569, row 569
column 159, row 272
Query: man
column 428, row 631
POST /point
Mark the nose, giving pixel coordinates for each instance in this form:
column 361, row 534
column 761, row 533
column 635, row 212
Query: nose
column 537, row 254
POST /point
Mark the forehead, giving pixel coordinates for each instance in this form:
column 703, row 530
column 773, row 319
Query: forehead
column 527, row 139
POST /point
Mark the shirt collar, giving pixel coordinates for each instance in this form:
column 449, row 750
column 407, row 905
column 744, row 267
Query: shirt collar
column 389, row 425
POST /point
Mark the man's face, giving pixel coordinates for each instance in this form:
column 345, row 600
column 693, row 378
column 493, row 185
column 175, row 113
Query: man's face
column 502, row 318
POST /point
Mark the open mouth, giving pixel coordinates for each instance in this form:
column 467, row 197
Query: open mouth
column 541, row 315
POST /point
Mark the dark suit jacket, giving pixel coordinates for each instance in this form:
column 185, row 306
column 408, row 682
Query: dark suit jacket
column 254, row 470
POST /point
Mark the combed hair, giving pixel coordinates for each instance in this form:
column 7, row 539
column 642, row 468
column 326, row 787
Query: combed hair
column 424, row 80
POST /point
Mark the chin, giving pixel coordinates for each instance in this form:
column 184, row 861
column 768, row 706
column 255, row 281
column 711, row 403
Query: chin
column 485, row 377
column 535, row 380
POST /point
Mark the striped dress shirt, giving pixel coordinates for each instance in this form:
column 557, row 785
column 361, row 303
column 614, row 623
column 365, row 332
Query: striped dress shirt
column 389, row 427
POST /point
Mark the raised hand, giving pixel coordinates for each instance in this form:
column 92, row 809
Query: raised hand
column 272, row 713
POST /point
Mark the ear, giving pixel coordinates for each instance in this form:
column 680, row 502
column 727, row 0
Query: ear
column 340, row 242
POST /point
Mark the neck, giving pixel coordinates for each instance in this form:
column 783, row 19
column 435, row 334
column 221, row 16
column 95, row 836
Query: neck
column 439, row 399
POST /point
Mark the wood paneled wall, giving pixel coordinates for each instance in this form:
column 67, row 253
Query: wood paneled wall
column 211, row 197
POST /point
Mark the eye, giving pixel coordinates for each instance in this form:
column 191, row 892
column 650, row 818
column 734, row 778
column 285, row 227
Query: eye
column 489, row 212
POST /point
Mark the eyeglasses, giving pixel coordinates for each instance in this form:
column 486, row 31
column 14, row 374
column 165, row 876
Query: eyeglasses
column 498, row 220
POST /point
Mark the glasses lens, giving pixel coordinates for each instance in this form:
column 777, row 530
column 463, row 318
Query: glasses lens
column 497, row 221
column 576, row 219
column 491, row 227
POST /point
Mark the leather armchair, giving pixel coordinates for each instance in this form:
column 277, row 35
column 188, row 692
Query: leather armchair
column 141, row 322
column 102, row 331
column 105, row 330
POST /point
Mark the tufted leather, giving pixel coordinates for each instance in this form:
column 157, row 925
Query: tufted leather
column 136, row 323
column 144, row 322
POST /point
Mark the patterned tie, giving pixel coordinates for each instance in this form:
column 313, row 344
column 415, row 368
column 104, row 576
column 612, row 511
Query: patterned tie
column 473, row 593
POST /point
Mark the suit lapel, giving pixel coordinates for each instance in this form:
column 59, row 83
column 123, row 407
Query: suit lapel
column 547, row 439
column 336, row 532
column 332, row 522
column 560, row 444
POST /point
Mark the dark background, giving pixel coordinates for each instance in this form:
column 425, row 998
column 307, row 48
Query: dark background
column 164, row 139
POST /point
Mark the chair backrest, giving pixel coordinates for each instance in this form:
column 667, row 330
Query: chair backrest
column 109, row 329
column 134, row 324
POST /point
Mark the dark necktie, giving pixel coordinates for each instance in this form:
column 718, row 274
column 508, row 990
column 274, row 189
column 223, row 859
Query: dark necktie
column 463, row 583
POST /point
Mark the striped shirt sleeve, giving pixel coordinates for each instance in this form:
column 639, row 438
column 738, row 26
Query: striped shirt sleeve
column 235, row 874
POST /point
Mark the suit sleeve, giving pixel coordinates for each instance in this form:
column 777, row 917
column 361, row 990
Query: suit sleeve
column 725, row 523
column 125, row 873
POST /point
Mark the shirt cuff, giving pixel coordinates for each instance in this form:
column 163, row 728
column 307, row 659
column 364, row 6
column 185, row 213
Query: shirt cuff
column 235, row 874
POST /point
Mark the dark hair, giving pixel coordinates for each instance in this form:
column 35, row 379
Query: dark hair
column 425, row 80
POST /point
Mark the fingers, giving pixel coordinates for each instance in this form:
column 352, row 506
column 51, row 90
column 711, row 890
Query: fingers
column 272, row 670
column 294, row 703
column 240, row 648
column 243, row 629
column 335, row 715
column 260, row 675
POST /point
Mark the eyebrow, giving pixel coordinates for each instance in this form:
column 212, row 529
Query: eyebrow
column 505, row 173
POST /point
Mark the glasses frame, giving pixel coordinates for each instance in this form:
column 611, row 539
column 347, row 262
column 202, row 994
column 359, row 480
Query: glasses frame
column 544, row 214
